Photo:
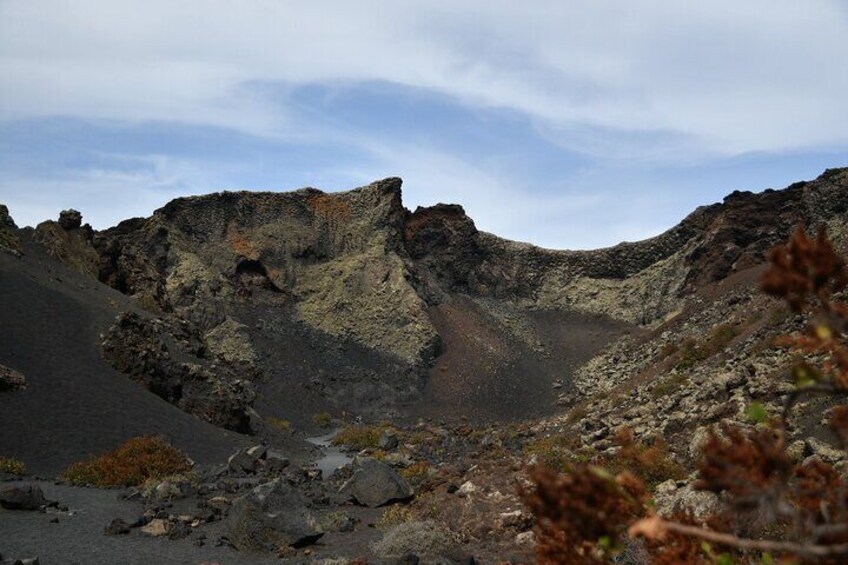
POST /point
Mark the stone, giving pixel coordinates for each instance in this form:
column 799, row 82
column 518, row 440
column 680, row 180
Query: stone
column 157, row 527
column 271, row 516
column 70, row 219
column 827, row 453
column 276, row 461
column 22, row 497
column 467, row 488
column 11, row 380
column 241, row 462
column 117, row 527
column 388, row 441
column 374, row 483
column 672, row 499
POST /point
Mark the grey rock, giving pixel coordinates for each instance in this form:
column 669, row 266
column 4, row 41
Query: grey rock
column 374, row 483
column 388, row 441
column 272, row 515
column 70, row 219
column 22, row 497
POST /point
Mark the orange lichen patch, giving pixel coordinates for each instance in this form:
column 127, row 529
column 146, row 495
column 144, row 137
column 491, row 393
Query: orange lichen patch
column 332, row 208
column 241, row 244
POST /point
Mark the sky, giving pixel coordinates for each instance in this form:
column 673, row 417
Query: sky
column 569, row 125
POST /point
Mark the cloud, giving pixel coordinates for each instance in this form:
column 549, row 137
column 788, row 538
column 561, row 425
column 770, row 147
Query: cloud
column 717, row 78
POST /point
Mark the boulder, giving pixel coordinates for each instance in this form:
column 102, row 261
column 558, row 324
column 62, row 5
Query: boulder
column 241, row 462
column 22, row 497
column 70, row 219
column 374, row 483
column 271, row 516
column 11, row 380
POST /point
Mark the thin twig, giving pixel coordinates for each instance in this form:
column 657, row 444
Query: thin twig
column 657, row 526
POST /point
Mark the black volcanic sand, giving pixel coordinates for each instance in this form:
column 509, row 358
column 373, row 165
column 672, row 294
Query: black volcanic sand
column 79, row 538
column 487, row 373
column 76, row 405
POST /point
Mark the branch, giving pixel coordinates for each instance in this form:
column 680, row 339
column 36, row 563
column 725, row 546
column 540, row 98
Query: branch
column 655, row 527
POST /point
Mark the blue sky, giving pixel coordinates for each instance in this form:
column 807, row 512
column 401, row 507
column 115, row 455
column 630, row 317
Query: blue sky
column 566, row 124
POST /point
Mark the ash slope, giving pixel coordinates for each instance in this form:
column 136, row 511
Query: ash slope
column 76, row 405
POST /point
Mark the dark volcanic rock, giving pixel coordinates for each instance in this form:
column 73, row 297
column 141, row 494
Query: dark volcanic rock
column 70, row 219
column 137, row 347
column 9, row 240
column 22, row 497
column 374, row 483
column 11, row 380
column 271, row 516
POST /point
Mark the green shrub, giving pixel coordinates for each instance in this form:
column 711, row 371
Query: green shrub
column 131, row 464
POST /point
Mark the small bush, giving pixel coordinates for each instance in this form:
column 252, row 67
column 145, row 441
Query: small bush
column 668, row 386
column 557, row 451
column 278, row 423
column 361, row 436
column 576, row 414
column 650, row 462
column 322, row 419
column 12, row 466
column 692, row 352
column 394, row 515
column 133, row 463
column 416, row 473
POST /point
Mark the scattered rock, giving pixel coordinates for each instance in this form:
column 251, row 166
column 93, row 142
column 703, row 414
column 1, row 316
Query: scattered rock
column 374, row 483
column 388, row 441
column 22, row 497
column 117, row 527
column 157, row 527
column 673, row 499
column 467, row 488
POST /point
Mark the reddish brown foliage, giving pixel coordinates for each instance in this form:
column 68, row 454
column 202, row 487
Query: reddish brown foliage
column 752, row 466
column 134, row 462
column 577, row 509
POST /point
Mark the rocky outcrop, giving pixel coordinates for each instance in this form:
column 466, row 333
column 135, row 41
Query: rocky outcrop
column 9, row 240
column 69, row 241
column 138, row 347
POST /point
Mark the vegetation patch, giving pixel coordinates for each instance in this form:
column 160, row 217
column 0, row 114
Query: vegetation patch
column 557, row 451
column 693, row 352
column 134, row 462
column 12, row 466
column 394, row 515
column 669, row 386
column 361, row 436
column 322, row 419
column 278, row 423
column 652, row 462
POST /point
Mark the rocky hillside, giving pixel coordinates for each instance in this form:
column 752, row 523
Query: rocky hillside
column 365, row 306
